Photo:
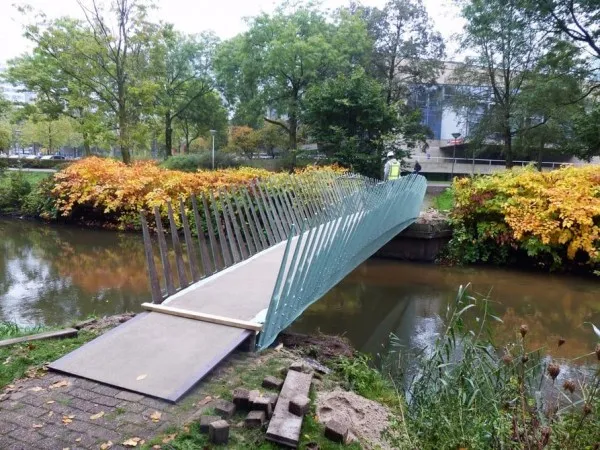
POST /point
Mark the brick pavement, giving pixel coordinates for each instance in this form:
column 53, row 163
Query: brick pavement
column 35, row 415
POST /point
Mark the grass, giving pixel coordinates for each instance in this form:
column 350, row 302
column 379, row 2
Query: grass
column 34, row 178
column 17, row 361
column 444, row 201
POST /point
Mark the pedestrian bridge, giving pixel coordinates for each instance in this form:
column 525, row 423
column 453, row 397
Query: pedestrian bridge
column 247, row 263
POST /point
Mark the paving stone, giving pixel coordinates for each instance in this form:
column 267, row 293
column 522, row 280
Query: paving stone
column 252, row 396
column 263, row 404
column 85, row 406
column 6, row 427
column 54, row 430
column 272, row 383
column 255, row 419
column 336, row 431
column 129, row 396
column 6, row 441
column 205, row 421
column 241, row 398
column 224, row 409
column 153, row 403
column 31, row 436
column 17, row 395
column 84, row 394
column 53, row 443
column 132, row 407
column 218, row 432
column 106, row 401
column 299, row 405
column 109, row 391
column 273, row 399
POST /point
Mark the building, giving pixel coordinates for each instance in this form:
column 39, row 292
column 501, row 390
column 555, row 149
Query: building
column 14, row 94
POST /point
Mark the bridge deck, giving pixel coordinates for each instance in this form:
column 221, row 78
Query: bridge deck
column 164, row 356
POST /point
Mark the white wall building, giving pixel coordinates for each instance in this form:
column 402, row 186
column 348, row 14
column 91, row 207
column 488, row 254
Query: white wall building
column 14, row 94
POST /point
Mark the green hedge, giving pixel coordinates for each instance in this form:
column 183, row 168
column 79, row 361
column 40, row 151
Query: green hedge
column 36, row 163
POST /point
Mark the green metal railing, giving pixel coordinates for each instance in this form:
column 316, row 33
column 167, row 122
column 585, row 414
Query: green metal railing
column 356, row 216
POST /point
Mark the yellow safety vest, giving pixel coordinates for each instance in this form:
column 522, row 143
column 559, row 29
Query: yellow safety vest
column 394, row 171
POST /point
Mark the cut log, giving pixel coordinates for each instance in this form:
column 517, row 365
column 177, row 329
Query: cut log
column 67, row 332
column 284, row 427
column 179, row 312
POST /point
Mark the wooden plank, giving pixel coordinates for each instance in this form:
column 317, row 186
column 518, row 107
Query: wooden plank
column 152, row 274
column 203, row 317
column 189, row 243
column 164, row 253
column 67, row 332
column 284, row 427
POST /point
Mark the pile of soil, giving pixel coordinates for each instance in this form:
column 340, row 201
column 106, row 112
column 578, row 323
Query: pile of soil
column 319, row 346
column 366, row 419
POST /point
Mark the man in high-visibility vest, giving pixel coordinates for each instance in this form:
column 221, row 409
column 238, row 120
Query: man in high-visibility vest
column 391, row 170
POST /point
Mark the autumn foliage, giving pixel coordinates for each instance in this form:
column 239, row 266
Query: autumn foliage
column 111, row 193
column 550, row 218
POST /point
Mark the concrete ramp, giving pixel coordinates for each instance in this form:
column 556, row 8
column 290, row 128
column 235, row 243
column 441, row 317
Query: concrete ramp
column 164, row 356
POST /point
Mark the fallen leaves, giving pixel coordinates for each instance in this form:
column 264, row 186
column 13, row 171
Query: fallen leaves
column 49, row 402
column 141, row 377
column 58, row 384
column 168, row 438
column 97, row 416
column 68, row 419
column 155, row 416
column 133, row 442
column 106, row 445
column 78, row 440
column 205, row 400
column 37, row 425
column 36, row 389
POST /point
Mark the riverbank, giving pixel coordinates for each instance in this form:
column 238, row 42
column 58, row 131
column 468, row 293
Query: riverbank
column 49, row 410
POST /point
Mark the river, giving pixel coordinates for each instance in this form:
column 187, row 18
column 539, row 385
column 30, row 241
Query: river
column 54, row 275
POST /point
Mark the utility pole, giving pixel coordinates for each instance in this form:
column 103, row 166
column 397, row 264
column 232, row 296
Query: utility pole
column 455, row 136
column 212, row 133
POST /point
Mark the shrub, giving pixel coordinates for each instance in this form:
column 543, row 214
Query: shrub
column 550, row 219
column 36, row 163
column 112, row 193
column 13, row 191
column 195, row 161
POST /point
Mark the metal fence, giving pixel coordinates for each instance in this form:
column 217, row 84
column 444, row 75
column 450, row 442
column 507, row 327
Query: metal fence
column 361, row 216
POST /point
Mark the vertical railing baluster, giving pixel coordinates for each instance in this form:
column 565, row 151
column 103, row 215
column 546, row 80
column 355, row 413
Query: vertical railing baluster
column 207, row 263
column 217, row 256
column 248, row 238
column 222, row 239
column 164, row 253
column 272, row 234
column 154, row 283
column 236, row 243
column 259, row 230
column 183, row 282
column 189, row 244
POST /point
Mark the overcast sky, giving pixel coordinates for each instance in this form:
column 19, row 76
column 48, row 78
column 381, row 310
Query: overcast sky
column 224, row 17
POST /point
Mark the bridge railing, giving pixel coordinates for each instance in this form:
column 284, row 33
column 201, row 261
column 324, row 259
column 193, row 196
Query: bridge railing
column 212, row 231
column 362, row 216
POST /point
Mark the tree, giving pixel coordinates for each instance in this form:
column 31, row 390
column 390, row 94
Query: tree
column 283, row 55
column 204, row 114
column 243, row 140
column 50, row 134
column 182, row 67
column 5, row 137
column 509, row 43
column 407, row 51
column 106, row 55
column 350, row 119
column 271, row 138
column 58, row 95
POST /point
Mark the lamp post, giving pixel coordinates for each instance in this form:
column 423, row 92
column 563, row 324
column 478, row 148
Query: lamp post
column 212, row 133
column 455, row 136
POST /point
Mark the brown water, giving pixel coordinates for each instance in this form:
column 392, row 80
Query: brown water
column 54, row 275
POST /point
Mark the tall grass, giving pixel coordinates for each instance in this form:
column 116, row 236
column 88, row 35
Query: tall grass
column 11, row 330
column 464, row 392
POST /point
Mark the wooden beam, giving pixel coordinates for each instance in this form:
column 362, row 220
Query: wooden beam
column 203, row 317
column 67, row 332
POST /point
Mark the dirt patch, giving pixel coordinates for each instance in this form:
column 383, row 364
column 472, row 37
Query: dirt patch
column 366, row 419
column 321, row 347
column 432, row 216
column 103, row 324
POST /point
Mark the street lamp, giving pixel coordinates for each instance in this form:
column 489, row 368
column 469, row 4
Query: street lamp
column 212, row 133
column 455, row 136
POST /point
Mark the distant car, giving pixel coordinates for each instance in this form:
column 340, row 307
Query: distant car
column 31, row 157
column 46, row 157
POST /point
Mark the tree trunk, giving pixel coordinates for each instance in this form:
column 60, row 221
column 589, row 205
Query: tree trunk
column 87, row 151
column 508, row 147
column 123, row 136
column 168, row 135
column 540, row 155
column 50, row 143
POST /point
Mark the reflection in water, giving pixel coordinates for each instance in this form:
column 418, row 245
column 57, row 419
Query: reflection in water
column 53, row 275
column 383, row 297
